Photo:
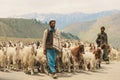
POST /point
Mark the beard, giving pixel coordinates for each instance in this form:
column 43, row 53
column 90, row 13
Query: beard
column 52, row 29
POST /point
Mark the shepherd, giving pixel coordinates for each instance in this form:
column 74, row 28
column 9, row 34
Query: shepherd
column 102, row 41
column 51, row 47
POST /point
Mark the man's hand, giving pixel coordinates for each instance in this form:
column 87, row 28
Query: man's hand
column 44, row 52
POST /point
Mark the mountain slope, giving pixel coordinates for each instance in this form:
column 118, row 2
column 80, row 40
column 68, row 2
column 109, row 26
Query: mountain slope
column 87, row 31
column 25, row 28
column 21, row 28
column 112, row 24
column 64, row 20
column 79, row 27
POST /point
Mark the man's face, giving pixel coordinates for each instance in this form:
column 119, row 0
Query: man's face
column 102, row 30
column 52, row 24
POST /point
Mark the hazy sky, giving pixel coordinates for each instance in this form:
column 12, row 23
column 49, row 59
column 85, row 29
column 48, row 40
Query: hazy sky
column 19, row 7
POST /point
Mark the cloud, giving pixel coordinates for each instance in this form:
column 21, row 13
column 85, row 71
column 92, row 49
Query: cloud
column 17, row 7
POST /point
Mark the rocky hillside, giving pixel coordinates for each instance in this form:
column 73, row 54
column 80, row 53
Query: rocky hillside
column 88, row 30
column 25, row 28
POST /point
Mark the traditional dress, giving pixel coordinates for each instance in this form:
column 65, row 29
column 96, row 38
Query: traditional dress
column 102, row 41
column 51, row 43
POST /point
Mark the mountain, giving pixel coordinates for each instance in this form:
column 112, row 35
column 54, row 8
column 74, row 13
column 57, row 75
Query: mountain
column 64, row 20
column 87, row 31
column 26, row 28
column 112, row 24
column 76, row 28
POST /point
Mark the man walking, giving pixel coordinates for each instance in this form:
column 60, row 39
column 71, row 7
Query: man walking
column 102, row 41
column 51, row 46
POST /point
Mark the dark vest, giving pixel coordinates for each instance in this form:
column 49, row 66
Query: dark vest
column 102, row 38
column 49, row 40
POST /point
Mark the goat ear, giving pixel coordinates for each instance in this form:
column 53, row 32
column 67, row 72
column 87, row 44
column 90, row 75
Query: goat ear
column 94, row 52
column 16, row 48
column 3, row 50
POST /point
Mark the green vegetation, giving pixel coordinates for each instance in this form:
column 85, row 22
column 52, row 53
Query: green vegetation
column 25, row 28
column 69, row 36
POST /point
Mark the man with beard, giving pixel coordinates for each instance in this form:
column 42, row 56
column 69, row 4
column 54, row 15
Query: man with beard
column 102, row 41
column 51, row 47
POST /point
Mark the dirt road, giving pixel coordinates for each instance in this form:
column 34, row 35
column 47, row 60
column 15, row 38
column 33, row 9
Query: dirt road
column 107, row 72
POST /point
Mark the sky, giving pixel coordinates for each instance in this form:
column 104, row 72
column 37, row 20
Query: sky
column 20, row 7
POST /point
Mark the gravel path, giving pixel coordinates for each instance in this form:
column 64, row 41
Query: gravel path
column 107, row 72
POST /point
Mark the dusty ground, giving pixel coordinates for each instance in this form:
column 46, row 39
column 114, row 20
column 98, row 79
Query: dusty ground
column 107, row 72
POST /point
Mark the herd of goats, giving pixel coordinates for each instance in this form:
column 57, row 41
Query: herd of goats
column 74, row 56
